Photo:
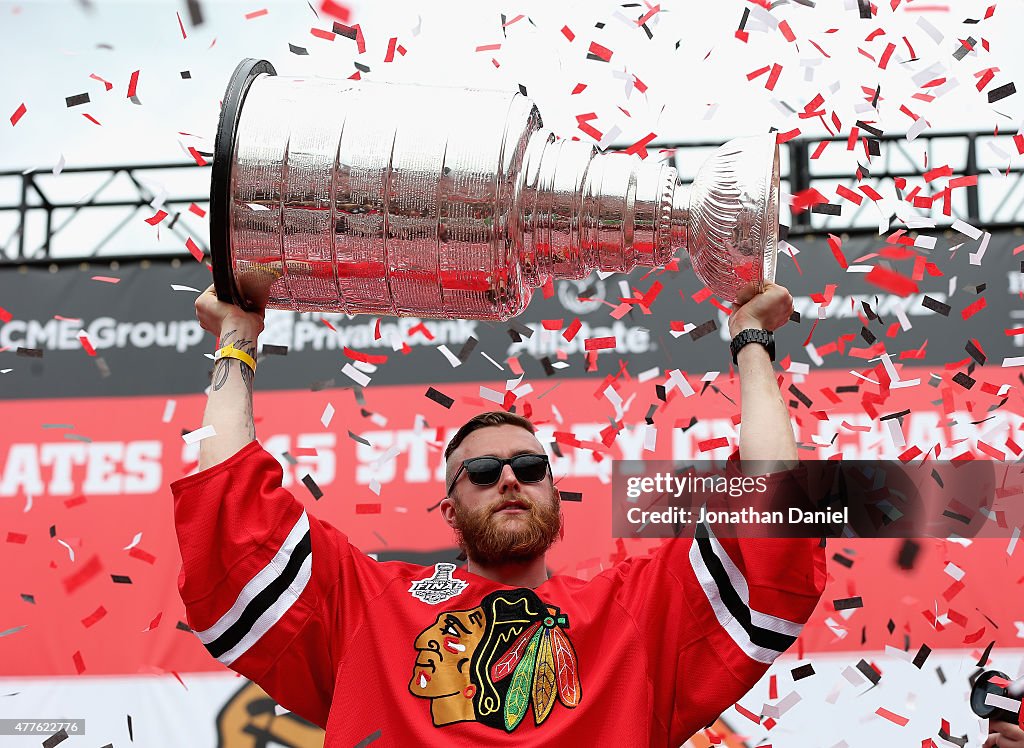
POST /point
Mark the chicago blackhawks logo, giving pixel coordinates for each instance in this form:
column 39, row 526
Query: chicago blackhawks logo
column 491, row 663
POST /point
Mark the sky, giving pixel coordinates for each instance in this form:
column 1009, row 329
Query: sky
column 689, row 80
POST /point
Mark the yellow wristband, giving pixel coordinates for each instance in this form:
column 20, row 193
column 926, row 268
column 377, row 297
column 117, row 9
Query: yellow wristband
column 229, row 351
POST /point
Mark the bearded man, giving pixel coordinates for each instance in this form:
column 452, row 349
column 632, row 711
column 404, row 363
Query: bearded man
column 644, row 654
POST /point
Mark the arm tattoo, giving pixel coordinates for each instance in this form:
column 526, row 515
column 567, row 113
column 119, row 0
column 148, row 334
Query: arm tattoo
column 222, row 370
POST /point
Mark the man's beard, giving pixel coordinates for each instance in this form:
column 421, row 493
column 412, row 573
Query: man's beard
column 492, row 539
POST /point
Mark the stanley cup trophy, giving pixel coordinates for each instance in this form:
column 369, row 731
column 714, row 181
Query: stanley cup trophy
column 405, row 200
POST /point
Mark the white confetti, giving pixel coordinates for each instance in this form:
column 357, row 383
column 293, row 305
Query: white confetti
column 328, row 414
column 135, row 541
column 71, row 551
column 169, row 407
column 198, row 435
column 176, row 287
column 355, row 375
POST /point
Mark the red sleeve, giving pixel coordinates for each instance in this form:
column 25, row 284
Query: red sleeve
column 716, row 612
column 271, row 592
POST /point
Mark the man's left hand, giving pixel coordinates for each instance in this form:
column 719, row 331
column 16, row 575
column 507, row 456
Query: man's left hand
column 1004, row 735
column 768, row 310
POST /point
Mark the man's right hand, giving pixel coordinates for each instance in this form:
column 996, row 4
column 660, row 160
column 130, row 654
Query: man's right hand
column 1004, row 735
column 216, row 316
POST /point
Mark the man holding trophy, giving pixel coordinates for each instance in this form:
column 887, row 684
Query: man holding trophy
column 325, row 197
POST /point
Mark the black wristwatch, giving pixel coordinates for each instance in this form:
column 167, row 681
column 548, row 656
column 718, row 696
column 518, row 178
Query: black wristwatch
column 744, row 337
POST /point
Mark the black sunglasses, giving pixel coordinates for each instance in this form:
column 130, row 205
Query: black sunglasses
column 485, row 471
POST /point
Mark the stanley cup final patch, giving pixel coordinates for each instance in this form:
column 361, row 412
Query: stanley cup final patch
column 440, row 586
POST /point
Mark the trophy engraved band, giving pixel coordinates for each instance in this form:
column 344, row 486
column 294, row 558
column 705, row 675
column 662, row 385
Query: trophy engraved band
column 407, row 200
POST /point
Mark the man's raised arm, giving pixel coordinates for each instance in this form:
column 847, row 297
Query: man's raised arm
column 766, row 434
column 229, row 408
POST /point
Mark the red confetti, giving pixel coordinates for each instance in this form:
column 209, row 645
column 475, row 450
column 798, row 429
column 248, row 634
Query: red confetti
column 197, row 156
column 89, row 570
column 133, row 84
column 639, row 148
column 836, row 245
column 94, row 617
column 154, row 623
column 181, row 26
column 106, row 84
column 256, row 14
column 891, row 281
column 18, row 114
column 785, row 137
column 567, row 33
column 579, row 88
column 79, row 662
column 367, row 508
column 160, row 215
column 322, row 34
column 194, row 249
column 86, row 344
column 336, row 10
column 91, row 119
column 892, row 716
column 773, row 78
column 572, row 329
column 597, row 344
column 5, row 316
column 17, row 537
column 366, row 358
column 708, row 444
column 787, row 32
column 974, row 308
column 142, row 555
column 601, row 52
column 390, row 55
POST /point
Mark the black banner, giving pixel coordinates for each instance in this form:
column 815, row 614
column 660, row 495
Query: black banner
column 146, row 339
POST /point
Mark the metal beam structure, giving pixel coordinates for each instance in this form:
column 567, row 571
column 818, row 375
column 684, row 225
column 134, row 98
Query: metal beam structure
column 47, row 217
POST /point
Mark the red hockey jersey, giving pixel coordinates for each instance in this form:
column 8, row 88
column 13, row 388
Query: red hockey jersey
column 644, row 654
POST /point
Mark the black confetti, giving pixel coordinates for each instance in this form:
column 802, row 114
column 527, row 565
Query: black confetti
column 848, row 388
column 274, row 350
column 53, row 531
column 56, row 739
column 182, row 626
column 571, row 495
column 321, row 385
column 440, row 398
column 549, row 370
column 349, row 32
column 30, row 599
column 965, row 48
column 659, row 390
column 869, row 672
column 908, row 554
column 865, row 8
column 996, row 94
column 29, row 352
column 804, row 671
column 942, row 675
column 795, row 317
column 703, row 329
column 297, row 50
column 983, row 660
column 963, row 380
column 131, row 732
column 961, row 741
column 289, row 458
column 873, row 130
column 848, row 603
column 800, row 395
column 361, row 440
column 314, row 489
column 361, row 67
column 868, row 336
column 82, row 98
column 895, row 415
column 842, row 560
column 935, row 306
column 921, row 656
column 828, row 209
column 467, row 349
column 195, row 12
column 185, row 75
column 121, row 578
column 650, row 414
column 977, row 355
column 958, row 517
